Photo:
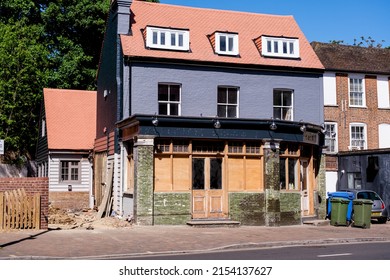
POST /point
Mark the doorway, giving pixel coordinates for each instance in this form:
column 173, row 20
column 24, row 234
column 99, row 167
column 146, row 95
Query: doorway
column 207, row 189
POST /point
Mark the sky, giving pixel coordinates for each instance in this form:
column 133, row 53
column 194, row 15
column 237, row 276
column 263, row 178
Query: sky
column 320, row 20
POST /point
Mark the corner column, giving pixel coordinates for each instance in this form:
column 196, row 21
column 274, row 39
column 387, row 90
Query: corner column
column 143, row 180
column 272, row 182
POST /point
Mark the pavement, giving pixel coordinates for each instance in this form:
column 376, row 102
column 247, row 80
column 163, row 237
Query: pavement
column 140, row 241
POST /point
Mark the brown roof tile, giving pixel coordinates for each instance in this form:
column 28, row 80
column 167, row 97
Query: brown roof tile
column 204, row 22
column 353, row 58
column 70, row 118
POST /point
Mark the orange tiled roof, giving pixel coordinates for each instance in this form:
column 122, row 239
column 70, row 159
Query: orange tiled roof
column 70, row 118
column 204, row 22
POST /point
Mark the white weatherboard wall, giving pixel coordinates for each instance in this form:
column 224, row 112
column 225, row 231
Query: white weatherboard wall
column 383, row 92
column 330, row 97
column 54, row 174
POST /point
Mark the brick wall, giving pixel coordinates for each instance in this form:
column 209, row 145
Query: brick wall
column 74, row 201
column 343, row 114
column 31, row 185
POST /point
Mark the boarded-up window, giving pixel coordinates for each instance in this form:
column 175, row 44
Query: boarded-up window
column 181, row 171
column 254, row 174
column 163, row 174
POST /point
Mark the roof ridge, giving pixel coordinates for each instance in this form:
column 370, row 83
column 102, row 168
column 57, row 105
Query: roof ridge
column 213, row 9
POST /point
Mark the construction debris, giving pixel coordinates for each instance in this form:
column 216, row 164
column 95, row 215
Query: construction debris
column 87, row 218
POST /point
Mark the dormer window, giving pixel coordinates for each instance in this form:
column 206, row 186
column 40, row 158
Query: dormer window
column 226, row 43
column 280, row 47
column 166, row 38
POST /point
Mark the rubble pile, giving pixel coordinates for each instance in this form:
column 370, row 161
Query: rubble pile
column 86, row 218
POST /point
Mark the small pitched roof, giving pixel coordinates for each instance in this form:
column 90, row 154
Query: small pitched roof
column 204, row 22
column 337, row 57
column 70, row 119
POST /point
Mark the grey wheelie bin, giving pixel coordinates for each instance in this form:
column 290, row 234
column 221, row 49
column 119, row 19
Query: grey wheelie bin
column 362, row 213
column 339, row 211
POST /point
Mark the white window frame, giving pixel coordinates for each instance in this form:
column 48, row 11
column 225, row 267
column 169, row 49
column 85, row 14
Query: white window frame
column 69, row 167
column 159, row 43
column 353, row 142
column 169, row 102
column 282, row 106
column 362, row 92
column 331, row 135
column 280, row 47
column 227, row 104
column 231, row 40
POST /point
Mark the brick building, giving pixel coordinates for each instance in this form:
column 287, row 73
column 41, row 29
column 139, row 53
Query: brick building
column 357, row 116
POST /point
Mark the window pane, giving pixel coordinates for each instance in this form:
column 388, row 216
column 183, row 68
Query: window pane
column 231, row 44
column 286, row 114
column 162, row 109
column 277, row 113
column 222, row 43
column 291, row 173
column 155, row 37
column 269, row 46
column 215, row 174
column 231, row 111
column 291, row 48
column 198, row 174
column 222, row 111
column 232, row 96
column 276, row 47
column 173, row 39
column 181, row 40
column 277, row 98
column 174, row 109
column 222, row 95
column 64, row 171
column 175, row 93
column 163, row 92
column 286, row 99
column 282, row 171
column 162, row 38
column 284, row 47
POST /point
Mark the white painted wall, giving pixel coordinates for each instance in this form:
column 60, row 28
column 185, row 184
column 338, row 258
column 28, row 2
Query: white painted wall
column 331, row 181
column 383, row 92
column 384, row 133
column 330, row 96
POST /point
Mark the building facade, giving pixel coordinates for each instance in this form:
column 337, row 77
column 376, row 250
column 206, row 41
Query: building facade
column 209, row 114
column 357, row 116
column 66, row 140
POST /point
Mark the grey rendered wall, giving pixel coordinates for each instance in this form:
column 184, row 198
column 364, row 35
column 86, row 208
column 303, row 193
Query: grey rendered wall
column 199, row 90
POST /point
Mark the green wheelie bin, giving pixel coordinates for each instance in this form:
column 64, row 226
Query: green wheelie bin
column 339, row 211
column 362, row 213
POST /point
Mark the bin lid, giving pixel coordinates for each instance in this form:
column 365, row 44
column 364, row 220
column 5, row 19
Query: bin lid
column 340, row 200
column 360, row 201
column 348, row 195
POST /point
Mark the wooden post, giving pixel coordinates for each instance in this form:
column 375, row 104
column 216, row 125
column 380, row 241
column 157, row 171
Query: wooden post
column 2, row 210
column 37, row 211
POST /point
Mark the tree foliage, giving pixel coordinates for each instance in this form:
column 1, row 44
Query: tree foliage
column 44, row 44
column 368, row 42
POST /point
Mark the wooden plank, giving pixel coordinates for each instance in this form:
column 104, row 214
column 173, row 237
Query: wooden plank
column 37, row 211
column 107, row 194
column 17, row 201
column 2, row 210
